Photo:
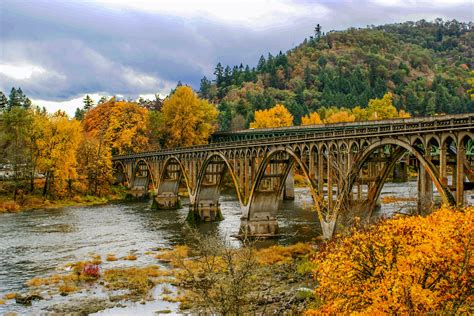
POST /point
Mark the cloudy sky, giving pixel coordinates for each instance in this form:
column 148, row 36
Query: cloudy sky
column 58, row 51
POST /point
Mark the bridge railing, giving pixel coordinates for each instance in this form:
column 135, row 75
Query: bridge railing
column 340, row 130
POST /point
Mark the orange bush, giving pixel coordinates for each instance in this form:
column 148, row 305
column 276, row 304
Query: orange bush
column 282, row 254
column 404, row 265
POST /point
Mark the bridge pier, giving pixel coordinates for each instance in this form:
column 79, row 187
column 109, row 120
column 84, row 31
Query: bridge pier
column 205, row 211
column 139, row 187
column 400, row 172
column 425, row 192
column 261, row 220
column 167, row 201
column 289, row 189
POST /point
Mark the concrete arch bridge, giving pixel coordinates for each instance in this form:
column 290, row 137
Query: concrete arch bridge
column 345, row 166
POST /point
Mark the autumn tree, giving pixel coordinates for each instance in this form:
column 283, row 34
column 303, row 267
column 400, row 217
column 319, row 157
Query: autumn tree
column 277, row 116
column 381, row 109
column 57, row 153
column 311, row 119
column 188, row 120
column 343, row 116
column 406, row 265
column 94, row 165
column 120, row 125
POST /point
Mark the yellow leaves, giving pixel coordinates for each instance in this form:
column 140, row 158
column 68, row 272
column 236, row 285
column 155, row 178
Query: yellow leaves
column 277, row 116
column 403, row 265
column 311, row 119
column 282, row 254
column 120, row 125
column 377, row 109
column 340, row 117
column 187, row 119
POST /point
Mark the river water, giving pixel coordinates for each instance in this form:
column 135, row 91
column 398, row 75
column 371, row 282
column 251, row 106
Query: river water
column 36, row 243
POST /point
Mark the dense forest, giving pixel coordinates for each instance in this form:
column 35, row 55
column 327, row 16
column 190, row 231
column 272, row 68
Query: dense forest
column 424, row 65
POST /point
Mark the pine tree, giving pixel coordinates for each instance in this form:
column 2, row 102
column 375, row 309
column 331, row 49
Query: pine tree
column 102, row 99
column 79, row 114
column 13, row 99
column 261, row 66
column 219, row 73
column 204, row 88
column 3, row 102
column 88, row 103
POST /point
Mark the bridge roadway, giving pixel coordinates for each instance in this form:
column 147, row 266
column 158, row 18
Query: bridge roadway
column 345, row 166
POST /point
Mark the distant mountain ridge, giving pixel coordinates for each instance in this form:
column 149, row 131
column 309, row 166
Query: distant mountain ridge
column 425, row 65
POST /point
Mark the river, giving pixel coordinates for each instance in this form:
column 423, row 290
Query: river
column 36, row 243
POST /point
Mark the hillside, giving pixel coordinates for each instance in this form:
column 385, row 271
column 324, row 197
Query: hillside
column 425, row 65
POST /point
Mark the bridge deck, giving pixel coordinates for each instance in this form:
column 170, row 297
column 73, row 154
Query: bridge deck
column 289, row 135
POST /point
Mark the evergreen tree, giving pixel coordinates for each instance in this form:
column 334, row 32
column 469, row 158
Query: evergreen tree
column 204, row 88
column 219, row 73
column 102, row 99
column 79, row 114
column 261, row 66
column 3, row 102
column 88, row 103
column 317, row 32
column 15, row 98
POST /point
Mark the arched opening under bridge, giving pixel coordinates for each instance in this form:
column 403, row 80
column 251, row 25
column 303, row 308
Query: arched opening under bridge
column 380, row 163
column 260, row 214
column 215, row 173
column 173, row 177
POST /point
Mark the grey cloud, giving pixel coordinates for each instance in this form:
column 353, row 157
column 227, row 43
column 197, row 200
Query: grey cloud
column 88, row 49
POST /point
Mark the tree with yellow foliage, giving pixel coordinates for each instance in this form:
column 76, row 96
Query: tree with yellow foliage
column 343, row 116
column 188, row 120
column 57, row 152
column 311, row 119
column 471, row 83
column 95, row 165
column 407, row 265
column 382, row 109
column 277, row 116
column 122, row 126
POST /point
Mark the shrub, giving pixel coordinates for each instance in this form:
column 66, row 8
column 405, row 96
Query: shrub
column 111, row 257
column 407, row 265
column 91, row 271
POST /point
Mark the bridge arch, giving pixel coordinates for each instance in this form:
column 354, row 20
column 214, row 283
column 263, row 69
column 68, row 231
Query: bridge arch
column 430, row 169
column 228, row 167
column 119, row 166
column 259, row 217
column 165, row 171
column 150, row 173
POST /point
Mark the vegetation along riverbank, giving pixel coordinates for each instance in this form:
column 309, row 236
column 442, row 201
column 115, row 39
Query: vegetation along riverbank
column 417, row 264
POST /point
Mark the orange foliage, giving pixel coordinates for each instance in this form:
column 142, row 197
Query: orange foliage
column 121, row 125
column 407, row 265
column 311, row 119
column 277, row 116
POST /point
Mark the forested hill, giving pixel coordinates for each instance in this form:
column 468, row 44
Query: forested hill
column 425, row 65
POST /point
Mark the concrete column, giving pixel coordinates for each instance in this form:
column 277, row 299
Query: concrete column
column 260, row 220
column 425, row 192
column 330, row 180
column 320, row 173
column 443, row 173
column 311, row 165
column 460, row 157
column 246, row 176
column 289, row 190
column 400, row 172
